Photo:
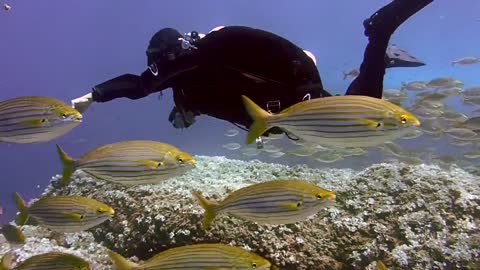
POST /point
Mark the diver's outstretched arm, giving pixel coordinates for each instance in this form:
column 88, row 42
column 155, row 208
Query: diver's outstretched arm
column 378, row 28
column 127, row 85
column 136, row 87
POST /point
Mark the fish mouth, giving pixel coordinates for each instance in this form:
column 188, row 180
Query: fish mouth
column 73, row 118
column 416, row 123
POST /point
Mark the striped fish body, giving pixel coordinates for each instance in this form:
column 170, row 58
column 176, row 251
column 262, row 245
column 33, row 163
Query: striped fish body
column 337, row 121
column 64, row 213
column 272, row 202
column 198, row 257
column 34, row 119
column 50, row 261
column 130, row 162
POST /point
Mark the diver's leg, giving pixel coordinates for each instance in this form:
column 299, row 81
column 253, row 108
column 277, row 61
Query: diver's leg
column 378, row 28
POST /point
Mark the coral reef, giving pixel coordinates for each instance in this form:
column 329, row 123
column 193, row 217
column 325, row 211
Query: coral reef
column 410, row 217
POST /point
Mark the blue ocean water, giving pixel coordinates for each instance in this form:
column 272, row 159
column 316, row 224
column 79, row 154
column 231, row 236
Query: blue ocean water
column 63, row 48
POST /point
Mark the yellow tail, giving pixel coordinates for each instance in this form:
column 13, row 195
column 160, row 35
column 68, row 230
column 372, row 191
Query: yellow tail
column 209, row 208
column 6, row 262
column 120, row 262
column 22, row 209
column 258, row 116
column 68, row 165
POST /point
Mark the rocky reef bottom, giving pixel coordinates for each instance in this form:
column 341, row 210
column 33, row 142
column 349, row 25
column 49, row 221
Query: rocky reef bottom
column 409, row 217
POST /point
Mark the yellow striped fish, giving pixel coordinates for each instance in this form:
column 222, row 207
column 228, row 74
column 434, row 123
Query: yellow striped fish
column 13, row 234
column 64, row 213
column 130, row 162
column 33, row 119
column 46, row 261
column 381, row 266
column 272, row 202
column 198, row 257
column 338, row 121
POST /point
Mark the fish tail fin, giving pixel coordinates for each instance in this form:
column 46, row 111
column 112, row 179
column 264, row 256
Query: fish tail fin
column 209, row 208
column 120, row 262
column 6, row 262
column 259, row 117
column 22, row 209
column 68, row 165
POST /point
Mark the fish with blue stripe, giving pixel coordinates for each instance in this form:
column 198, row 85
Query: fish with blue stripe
column 35, row 119
column 46, row 261
column 129, row 162
column 336, row 121
column 198, row 257
column 271, row 202
column 64, row 213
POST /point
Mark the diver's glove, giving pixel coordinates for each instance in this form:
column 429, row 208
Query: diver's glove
column 181, row 120
column 82, row 103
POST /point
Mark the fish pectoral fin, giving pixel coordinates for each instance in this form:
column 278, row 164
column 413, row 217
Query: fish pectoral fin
column 371, row 123
column 292, row 206
column 74, row 216
column 34, row 122
column 152, row 164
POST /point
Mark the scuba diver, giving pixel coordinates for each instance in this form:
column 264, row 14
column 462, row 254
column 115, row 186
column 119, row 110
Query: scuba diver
column 209, row 73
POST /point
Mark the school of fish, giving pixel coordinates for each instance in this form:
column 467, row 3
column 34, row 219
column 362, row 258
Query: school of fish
column 328, row 129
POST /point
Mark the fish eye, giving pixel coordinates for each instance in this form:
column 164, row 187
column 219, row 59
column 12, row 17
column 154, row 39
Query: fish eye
column 100, row 211
column 254, row 265
column 81, row 217
column 64, row 115
column 319, row 196
column 180, row 159
column 403, row 119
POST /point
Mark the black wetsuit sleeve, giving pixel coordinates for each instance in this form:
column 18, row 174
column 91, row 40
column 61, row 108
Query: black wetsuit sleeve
column 127, row 85
column 379, row 27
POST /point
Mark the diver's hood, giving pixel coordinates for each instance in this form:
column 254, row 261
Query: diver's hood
column 164, row 41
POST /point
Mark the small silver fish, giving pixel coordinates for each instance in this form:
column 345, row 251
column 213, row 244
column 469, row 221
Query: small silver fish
column 444, row 82
column 472, row 123
column 461, row 133
column 469, row 60
column 327, row 157
column 231, row 146
column 473, row 91
column 414, row 86
column 351, row 74
column 231, row 132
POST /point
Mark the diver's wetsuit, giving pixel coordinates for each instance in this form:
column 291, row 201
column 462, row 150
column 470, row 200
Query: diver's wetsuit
column 267, row 68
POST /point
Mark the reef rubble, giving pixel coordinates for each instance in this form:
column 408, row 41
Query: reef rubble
column 409, row 217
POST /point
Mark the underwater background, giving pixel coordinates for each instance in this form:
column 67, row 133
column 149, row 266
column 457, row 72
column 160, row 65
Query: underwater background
column 63, row 48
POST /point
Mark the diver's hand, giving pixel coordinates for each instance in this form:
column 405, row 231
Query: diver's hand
column 82, row 103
